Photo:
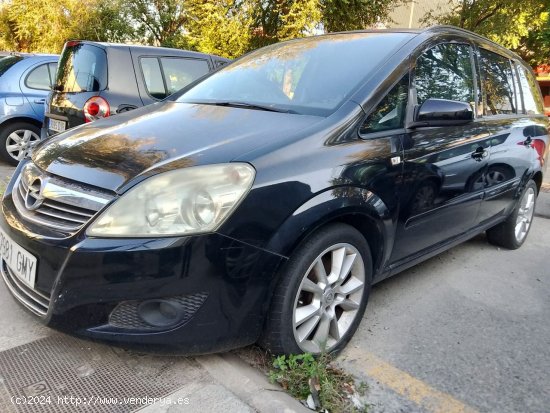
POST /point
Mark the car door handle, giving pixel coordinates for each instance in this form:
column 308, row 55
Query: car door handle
column 527, row 142
column 40, row 101
column 479, row 154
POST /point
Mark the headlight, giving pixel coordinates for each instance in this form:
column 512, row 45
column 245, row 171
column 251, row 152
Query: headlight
column 187, row 201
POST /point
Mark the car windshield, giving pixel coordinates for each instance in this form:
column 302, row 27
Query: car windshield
column 309, row 76
column 7, row 62
column 82, row 68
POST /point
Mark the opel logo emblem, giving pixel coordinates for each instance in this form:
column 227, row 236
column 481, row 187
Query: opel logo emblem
column 33, row 196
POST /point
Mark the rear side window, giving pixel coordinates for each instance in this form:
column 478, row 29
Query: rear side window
column 7, row 62
column 181, row 72
column 445, row 72
column 39, row 78
column 531, row 96
column 82, row 68
column 166, row 75
column 496, row 74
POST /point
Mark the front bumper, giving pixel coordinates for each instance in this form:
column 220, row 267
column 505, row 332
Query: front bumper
column 224, row 285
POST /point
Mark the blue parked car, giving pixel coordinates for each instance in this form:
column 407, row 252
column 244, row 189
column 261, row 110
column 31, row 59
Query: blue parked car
column 25, row 81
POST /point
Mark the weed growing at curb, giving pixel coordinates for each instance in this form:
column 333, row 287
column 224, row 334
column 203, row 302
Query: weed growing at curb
column 327, row 387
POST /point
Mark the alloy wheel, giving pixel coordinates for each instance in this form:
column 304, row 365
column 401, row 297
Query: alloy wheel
column 328, row 299
column 19, row 143
column 525, row 214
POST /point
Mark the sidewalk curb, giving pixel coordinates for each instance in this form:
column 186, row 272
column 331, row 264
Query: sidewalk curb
column 542, row 209
column 249, row 384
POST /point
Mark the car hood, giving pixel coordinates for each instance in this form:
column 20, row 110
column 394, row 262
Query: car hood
column 114, row 152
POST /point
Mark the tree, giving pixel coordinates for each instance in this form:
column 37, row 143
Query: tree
column 517, row 25
column 341, row 15
column 158, row 22
column 221, row 27
column 536, row 48
column 45, row 25
column 299, row 19
column 276, row 20
column 110, row 23
column 8, row 39
column 224, row 27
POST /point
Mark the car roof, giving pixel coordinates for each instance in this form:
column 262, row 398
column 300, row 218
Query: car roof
column 26, row 55
column 146, row 49
column 439, row 30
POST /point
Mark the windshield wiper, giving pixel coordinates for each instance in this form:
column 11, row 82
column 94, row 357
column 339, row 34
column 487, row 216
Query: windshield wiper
column 235, row 104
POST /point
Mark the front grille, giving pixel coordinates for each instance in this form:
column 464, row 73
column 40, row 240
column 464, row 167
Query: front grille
column 54, row 202
column 34, row 300
column 126, row 315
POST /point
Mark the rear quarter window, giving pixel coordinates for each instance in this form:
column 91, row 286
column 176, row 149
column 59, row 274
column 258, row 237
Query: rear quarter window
column 39, row 78
column 152, row 76
column 531, row 95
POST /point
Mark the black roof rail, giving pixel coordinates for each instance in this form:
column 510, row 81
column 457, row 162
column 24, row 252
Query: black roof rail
column 448, row 28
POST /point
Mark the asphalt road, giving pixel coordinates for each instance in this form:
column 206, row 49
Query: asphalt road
column 466, row 331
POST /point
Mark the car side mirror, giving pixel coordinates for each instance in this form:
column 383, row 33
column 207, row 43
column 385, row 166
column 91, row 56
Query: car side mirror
column 442, row 112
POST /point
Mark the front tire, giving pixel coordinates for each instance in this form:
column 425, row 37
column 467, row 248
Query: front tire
column 17, row 140
column 322, row 294
column 512, row 233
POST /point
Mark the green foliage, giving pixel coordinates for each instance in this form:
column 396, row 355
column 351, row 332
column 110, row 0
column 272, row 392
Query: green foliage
column 225, row 27
column 221, row 27
column 299, row 19
column 536, row 48
column 276, row 20
column 296, row 373
column 158, row 22
column 45, row 25
column 110, row 23
column 341, row 15
column 522, row 26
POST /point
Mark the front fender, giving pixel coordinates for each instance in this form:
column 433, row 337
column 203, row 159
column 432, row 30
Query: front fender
column 357, row 206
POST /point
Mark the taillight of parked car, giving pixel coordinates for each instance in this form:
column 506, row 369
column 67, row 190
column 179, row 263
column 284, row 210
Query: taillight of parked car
column 96, row 108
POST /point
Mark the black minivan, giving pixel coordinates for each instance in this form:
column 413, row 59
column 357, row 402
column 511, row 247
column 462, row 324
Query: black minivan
column 95, row 80
column 262, row 203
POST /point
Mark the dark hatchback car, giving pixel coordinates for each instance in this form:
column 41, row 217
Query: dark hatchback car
column 96, row 80
column 262, row 203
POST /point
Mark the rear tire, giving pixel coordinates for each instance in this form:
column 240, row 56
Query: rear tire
column 17, row 140
column 322, row 293
column 512, row 233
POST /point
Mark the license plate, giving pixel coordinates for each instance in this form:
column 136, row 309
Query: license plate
column 21, row 262
column 57, row 125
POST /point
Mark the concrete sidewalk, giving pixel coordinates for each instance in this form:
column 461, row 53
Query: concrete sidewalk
column 542, row 208
column 543, row 202
column 72, row 374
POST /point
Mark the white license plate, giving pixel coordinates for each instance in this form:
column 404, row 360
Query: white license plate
column 57, row 125
column 20, row 261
